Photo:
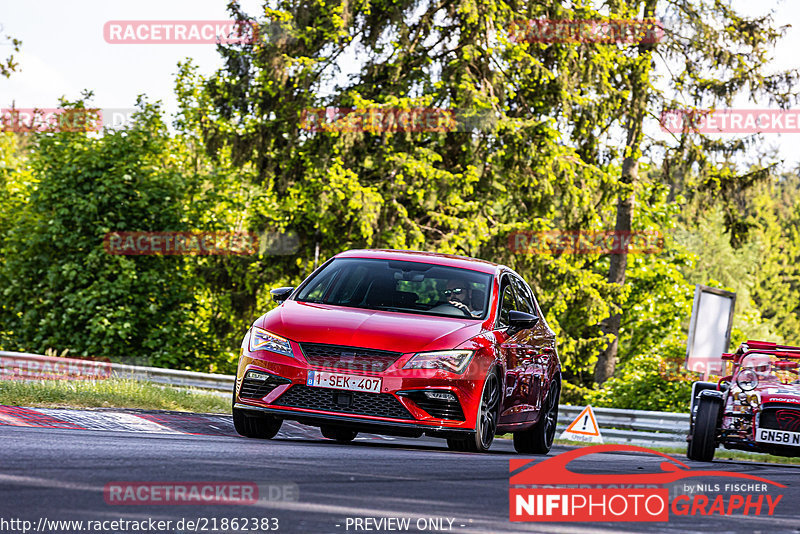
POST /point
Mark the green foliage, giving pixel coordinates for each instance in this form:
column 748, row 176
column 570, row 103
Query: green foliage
column 775, row 219
column 60, row 288
column 573, row 394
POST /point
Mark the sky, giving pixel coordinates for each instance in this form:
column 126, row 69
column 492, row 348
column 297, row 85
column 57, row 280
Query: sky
column 64, row 52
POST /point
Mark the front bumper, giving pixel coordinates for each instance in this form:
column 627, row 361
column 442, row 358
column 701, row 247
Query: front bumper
column 286, row 395
column 369, row 425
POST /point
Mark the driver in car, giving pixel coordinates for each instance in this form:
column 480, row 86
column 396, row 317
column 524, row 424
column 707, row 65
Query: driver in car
column 459, row 294
column 762, row 368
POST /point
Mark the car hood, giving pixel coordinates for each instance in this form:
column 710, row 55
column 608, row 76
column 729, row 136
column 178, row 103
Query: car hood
column 780, row 393
column 373, row 329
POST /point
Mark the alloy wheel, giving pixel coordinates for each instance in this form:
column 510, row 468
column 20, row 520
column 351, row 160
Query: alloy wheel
column 490, row 399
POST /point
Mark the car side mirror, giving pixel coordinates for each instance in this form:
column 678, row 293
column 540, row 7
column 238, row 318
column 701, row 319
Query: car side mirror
column 279, row 294
column 521, row 320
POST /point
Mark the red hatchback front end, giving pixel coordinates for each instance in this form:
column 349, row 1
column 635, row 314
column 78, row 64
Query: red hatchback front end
column 386, row 342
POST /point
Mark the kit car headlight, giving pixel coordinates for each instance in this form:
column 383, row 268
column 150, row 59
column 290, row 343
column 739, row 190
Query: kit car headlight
column 261, row 339
column 747, row 380
column 454, row 361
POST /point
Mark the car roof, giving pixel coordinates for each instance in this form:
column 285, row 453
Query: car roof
column 447, row 260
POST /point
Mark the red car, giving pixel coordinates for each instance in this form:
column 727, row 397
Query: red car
column 403, row 343
column 755, row 408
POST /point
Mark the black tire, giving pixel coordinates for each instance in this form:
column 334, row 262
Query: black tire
column 538, row 439
column 338, row 433
column 703, row 444
column 486, row 421
column 252, row 425
column 255, row 426
column 697, row 387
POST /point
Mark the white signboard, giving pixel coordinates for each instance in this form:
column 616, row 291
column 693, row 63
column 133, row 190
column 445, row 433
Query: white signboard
column 709, row 330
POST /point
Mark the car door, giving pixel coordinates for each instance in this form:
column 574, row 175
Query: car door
column 517, row 382
column 537, row 352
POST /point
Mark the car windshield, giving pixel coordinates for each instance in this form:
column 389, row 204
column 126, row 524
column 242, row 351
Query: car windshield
column 401, row 286
column 769, row 368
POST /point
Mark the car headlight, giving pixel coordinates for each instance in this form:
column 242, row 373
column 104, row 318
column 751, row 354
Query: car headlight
column 261, row 339
column 747, row 380
column 454, row 361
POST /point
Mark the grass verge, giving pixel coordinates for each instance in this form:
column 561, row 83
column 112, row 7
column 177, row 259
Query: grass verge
column 111, row 393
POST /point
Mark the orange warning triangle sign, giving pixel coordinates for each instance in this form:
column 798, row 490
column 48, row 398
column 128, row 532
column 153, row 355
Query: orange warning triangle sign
column 585, row 424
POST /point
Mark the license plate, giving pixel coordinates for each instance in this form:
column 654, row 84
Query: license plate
column 341, row 381
column 778, row 437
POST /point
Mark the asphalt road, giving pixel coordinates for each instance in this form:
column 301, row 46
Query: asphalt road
column 60, row 474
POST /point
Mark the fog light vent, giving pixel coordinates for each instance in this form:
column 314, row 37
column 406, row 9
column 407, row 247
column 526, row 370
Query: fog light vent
column 441, row 404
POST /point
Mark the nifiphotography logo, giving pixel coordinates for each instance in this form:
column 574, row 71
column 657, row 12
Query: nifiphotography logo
column 548, row 491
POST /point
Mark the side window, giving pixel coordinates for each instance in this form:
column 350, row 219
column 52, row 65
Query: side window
column 524, row 296
column 507, row 303
column 536, row 306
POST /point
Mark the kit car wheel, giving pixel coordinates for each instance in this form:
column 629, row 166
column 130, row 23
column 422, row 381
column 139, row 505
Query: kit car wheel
column 702, row 445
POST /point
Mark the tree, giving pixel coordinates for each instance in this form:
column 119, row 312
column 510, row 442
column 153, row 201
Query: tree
column 60, row 288
column 459, row 191
column 774, row 220
column 725, row 55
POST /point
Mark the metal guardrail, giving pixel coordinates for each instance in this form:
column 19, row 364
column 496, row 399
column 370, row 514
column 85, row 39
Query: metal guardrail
column 25, row 366
column 634, row 427
column 174, row 378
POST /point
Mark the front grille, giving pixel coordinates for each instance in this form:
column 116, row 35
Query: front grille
column 257, row 388
column 777, row 418
column 441, row 409
column 352, row 358
column 337, row 400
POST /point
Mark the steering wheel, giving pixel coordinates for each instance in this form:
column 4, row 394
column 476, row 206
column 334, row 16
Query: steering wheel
column 466, row 313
